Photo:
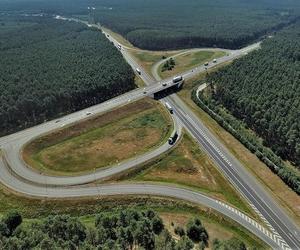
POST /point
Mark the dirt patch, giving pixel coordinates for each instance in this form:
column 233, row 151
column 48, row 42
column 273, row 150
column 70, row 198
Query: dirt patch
column 214, row 230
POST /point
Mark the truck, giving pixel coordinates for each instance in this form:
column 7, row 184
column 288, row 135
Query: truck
column 173, row 137
column 169, row 107
column 179, row 80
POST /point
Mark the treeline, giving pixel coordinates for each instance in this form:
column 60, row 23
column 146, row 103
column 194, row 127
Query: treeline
column 50, row 67
column 249, row 140
column 158, row 25
column 174, row 24
column 128, row 229
column 262, row 90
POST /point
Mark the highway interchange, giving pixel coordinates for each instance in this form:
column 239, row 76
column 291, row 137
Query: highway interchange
column 16, row 175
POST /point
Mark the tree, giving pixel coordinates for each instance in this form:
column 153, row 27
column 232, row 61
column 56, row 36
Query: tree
column 184, row 244
column 232, row 243
column 65, row 228
column 196, row 232
column 4, row 231
column 157, row 225
column 47, row 244
column 165, row 241
column 12, row 220
column 144, row 234
column 179, row 231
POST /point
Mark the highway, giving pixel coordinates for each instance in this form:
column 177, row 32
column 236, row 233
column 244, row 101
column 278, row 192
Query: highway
column 278, row 221
column 17, row 176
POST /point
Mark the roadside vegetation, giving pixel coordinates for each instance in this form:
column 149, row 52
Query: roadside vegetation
column 262, row 91
column 101, row 141
column 50, row 68
column 188, row 166
column 152, row 224
column 187, row 61
column 148, row 58
column 273, row 184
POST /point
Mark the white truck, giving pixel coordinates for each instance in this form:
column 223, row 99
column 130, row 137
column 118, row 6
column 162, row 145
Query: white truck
column 169, row 107
column 173, row 138
column 179, row 80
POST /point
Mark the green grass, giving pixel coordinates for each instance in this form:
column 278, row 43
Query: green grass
column 188, row 166
column 189, row 61
column 148, row 58
column 103, row 146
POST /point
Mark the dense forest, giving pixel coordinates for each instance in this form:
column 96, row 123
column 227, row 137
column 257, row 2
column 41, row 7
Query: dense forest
column 50, row 67
column 128, row 229
column 172, row 24
column 263, row 91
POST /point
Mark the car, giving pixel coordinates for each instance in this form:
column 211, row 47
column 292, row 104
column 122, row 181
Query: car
column 206, row 64
column 89, row 113
column 215, row 60
column 164, row 84
column 57, row 121
column 138, row 71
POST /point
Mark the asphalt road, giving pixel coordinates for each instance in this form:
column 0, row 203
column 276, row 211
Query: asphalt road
column 281, row 225
column 21, row 179
column 58, row 192
column 260, row 200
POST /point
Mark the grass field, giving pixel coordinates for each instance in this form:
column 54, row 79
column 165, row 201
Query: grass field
column 286, row 197
column 102, row 141
column 189, row 61
column 148, row 58
column 187, row 166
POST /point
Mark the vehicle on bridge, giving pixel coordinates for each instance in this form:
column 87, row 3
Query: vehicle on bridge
column 173, row 138
column 169, row 107
column 179, row 80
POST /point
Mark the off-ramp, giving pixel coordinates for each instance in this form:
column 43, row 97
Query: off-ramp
column 15, row 175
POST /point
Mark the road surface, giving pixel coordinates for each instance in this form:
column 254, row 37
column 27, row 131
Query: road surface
column 15, row 175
